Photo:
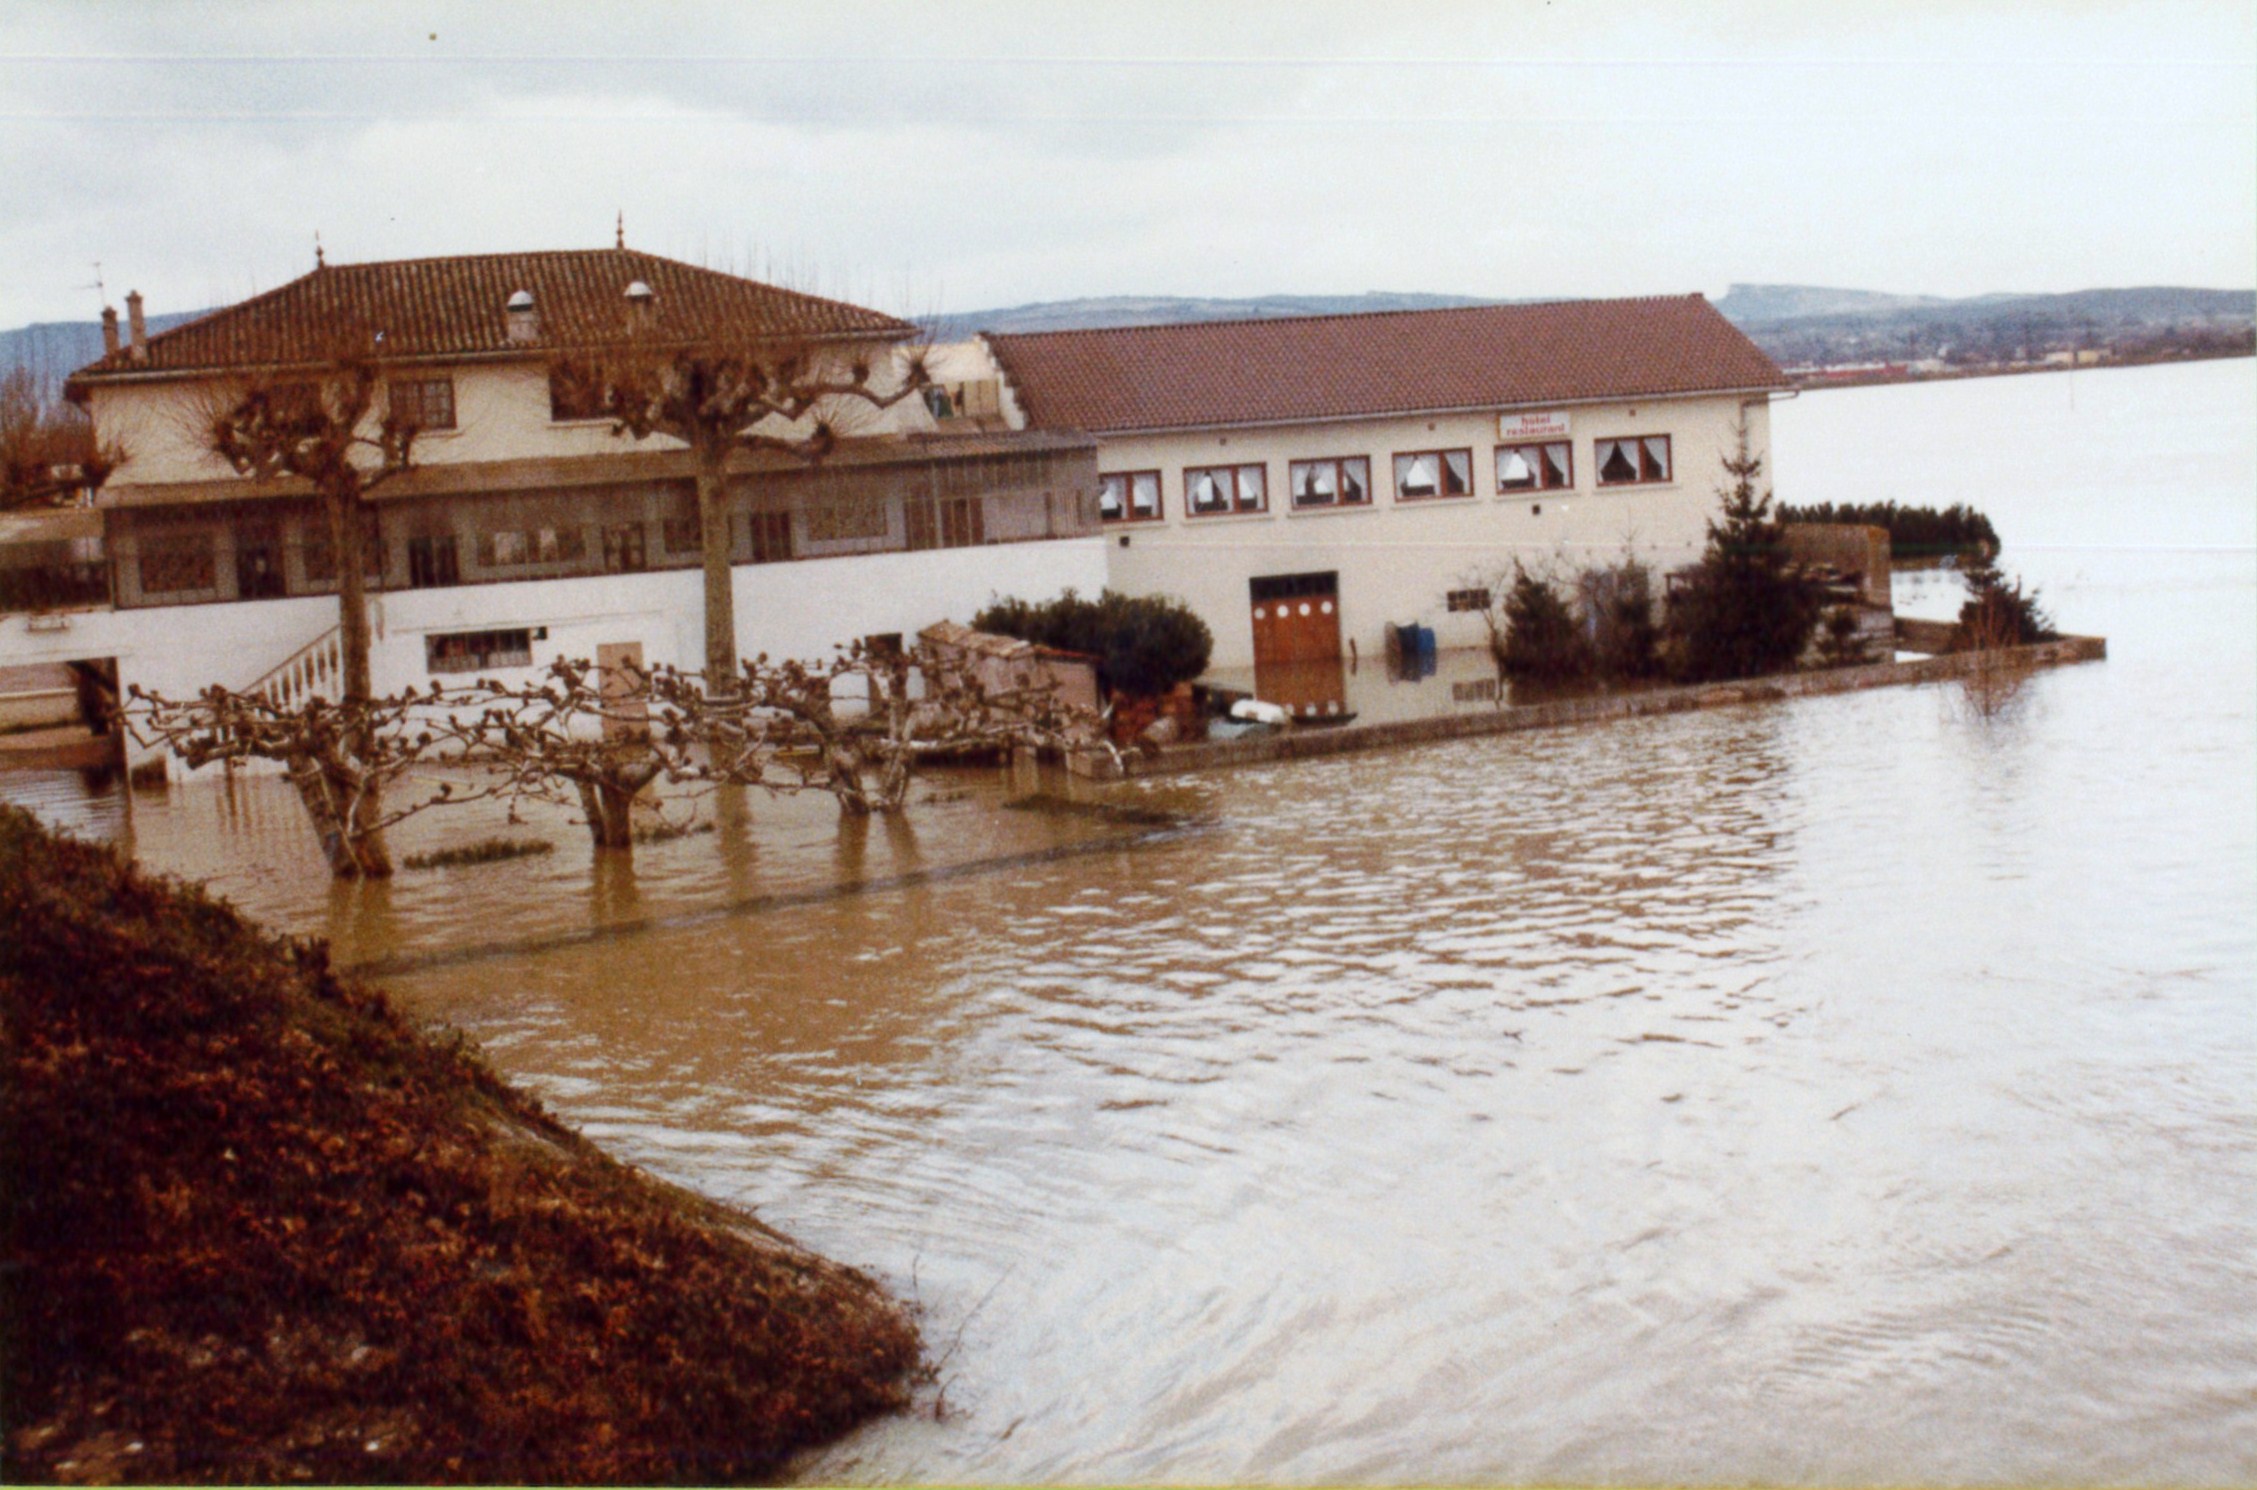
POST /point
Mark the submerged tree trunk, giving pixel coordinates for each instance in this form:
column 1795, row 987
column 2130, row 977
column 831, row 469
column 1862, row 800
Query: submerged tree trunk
column 721, row 656
column 609, row 802
column 345, row 817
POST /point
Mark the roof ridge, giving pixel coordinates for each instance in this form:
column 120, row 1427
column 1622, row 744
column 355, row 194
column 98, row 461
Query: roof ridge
column 1350, row 315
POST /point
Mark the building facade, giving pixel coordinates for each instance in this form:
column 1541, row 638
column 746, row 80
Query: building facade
column 527, row 529
column 1305, row 483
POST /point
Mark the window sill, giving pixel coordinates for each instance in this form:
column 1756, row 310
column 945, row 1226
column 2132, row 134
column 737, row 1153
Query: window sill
column 1443, row 499
column 1216, row 519
column 1111, row 523
column 1627, row 486
column 1333, row 511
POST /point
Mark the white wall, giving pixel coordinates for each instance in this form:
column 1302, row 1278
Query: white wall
column 1398, row 560
column 501, row 413
column 799, row 609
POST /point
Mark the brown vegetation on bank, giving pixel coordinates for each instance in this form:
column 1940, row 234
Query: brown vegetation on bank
column 257, row 1227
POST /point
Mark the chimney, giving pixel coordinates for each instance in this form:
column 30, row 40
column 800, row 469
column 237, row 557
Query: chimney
column 136, row 327
column 642, row 307
column 524, row 320
column 109, row 331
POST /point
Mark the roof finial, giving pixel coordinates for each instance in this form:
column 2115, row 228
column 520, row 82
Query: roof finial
column 318, row 260
column 619, row 239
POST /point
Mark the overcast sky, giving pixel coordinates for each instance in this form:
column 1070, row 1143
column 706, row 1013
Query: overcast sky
column 953, row 156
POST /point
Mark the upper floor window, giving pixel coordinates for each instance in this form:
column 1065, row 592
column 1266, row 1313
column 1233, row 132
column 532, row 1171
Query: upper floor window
column 1433, row 473
column 424, row 403
column 1544, row 467
column 1339, row 481
column 1635, row 459
column 1129, row 497
column 575, row 392
column 1210, row 491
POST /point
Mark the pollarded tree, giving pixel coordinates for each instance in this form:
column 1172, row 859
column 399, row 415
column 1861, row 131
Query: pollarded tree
column 568, row 733
column 734, row 388
column 340, row 757
column 329, row 423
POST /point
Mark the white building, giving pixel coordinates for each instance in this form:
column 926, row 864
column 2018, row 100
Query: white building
column 527, row 531
column 1303, row 483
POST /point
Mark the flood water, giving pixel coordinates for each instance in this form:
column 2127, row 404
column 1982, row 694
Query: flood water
column 1857, row 1089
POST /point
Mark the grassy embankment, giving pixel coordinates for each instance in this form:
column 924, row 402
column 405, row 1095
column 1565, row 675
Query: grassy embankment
column 258, row 1227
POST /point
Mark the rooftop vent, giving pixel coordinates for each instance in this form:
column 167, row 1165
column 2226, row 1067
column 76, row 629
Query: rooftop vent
column 642, row 307
column 524, row 321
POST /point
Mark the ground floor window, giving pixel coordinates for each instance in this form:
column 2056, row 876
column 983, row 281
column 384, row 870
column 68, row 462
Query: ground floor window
column 1474, row 599
column 546, row 545
column 177, row 563
column 766, row 537
column 1634, row 460
column 321, row 561
column 624, row 548
column 1336, row 481
column 1546, row 467
column 433, row 562
column 1422, row 474
column 1210, row 491
column 477, row 651
column 1129, row 497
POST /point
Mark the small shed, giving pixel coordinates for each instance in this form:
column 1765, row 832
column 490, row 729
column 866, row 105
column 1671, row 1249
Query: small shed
column 1004, row 663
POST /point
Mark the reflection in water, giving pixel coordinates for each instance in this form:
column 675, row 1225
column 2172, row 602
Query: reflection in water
column 1848, row 1090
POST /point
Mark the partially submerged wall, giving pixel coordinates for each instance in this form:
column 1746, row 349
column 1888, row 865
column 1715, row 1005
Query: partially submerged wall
column 1303, row 744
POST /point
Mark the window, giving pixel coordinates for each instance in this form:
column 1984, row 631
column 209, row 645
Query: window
column 680, row 534
column 767, row 535
column 424, row 403
column 177, row 562
column 1475, row 599
column 1129, row 497
column 432, row 562
column 1211, row 491
column 847, row 519
column 258, row 562
column 544, row 545
column 575, row 392
column 321, row 563
column 946, row 522
column 477, row 651
column 1637, row 459
column 1546, row 467
column 624, row 549
column 1433, row 473
column 1342, row 481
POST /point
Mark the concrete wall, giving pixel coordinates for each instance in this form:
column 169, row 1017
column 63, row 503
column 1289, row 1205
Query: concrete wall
column 1398, row 560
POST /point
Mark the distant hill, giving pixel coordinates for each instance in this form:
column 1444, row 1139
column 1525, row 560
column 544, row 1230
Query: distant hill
column 1744, row 304
column 53, row 350
column 1162, row 310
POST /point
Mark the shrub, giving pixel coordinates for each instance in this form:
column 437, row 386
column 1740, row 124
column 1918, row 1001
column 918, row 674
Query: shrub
column 1998, row 612
column 1914, row 532
column 1144, row 644
column 1745, row 611
column 485, row 851
column 1541, row 639
column 1839, row 644
column 1616, row 603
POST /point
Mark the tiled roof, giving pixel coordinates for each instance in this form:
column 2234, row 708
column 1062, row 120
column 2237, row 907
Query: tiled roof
column 1333, row 367
column 455, row 307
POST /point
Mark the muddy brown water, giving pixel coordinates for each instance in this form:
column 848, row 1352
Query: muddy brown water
column 1858, row 1089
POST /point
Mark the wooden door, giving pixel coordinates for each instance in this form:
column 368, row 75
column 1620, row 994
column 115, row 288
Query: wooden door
column 1296, row 618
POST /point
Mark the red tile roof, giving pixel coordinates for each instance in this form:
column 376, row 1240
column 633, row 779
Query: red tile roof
column 1391, row 362
column 454, row 307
